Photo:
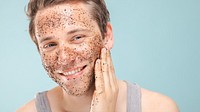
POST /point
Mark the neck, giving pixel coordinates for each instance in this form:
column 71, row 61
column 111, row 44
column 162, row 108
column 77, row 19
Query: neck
column 76, row 103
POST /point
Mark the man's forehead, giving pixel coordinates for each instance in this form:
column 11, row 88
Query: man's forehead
column 62, row 16
column 67, row 9
column 67, row 12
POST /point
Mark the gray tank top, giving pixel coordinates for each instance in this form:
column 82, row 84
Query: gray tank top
column 133, row 99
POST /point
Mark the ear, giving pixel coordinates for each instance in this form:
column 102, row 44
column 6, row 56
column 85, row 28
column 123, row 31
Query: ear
column 108, row 37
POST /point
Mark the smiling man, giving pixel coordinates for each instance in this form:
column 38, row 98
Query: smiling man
column 74, row 39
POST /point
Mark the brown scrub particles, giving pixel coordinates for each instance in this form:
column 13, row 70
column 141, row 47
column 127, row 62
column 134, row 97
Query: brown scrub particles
column 67, row 56
column 64, row 18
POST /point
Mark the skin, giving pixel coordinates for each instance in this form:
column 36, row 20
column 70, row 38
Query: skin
column 105, row 97
column 66, row 51
column 69, row 38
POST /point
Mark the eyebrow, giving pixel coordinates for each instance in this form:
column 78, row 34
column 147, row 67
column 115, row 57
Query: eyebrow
column 45, row 39
column 76, row 30
column 68, row 33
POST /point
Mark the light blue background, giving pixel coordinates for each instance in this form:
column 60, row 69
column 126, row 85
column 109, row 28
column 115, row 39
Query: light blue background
column 157, row 45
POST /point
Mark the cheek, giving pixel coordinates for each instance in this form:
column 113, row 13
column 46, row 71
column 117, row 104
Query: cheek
column 91, row 49
column 95, row 45
column 49, row 61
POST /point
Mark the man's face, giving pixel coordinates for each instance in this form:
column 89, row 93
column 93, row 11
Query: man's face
column 69, row 42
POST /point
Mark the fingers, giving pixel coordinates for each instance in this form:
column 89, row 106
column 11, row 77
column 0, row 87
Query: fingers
column 105, row 71
column 99, row 82
column 112, row 76
column 106, row 92
column 105, row 79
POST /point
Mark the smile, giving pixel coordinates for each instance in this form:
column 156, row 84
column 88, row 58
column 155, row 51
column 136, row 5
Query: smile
column 71, row 72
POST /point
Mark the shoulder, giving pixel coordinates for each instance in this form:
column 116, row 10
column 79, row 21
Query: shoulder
column 29, row 107
column 156, row 102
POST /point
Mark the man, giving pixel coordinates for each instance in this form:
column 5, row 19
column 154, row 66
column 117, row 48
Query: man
column 74, row 39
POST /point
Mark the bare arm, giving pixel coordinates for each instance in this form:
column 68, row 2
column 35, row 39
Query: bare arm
column 156, row 102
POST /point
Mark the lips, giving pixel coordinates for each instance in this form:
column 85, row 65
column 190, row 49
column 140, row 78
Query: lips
column 71, row 72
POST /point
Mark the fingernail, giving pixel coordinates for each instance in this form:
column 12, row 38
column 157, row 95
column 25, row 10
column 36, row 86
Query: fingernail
column 104, row 50
column 98, row 61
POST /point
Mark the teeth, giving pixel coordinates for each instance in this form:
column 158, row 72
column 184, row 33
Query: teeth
column 72, row 72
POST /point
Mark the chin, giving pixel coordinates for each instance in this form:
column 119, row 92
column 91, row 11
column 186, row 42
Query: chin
column 79, row 84
column 78, row 89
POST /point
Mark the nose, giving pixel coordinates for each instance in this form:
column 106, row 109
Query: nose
column 66, row 56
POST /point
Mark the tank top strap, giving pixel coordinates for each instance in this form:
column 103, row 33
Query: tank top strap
column 42, row 103
column 133, row 97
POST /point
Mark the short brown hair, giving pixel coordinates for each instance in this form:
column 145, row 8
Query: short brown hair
column 99, row 12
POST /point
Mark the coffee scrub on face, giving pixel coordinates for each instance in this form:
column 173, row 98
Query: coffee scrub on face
column 69, row 42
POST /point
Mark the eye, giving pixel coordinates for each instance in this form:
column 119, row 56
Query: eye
column 78, row 39
column 49, row 45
